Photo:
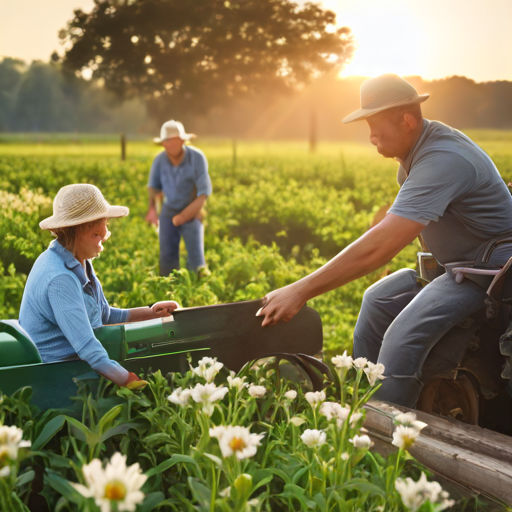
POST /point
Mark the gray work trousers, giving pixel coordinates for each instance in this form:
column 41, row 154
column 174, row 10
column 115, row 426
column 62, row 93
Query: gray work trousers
column 400, row 323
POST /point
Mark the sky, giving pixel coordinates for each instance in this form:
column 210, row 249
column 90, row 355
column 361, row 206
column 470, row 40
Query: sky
column 430, row 38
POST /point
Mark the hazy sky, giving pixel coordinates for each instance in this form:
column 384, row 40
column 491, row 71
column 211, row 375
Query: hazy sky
column 431, row 38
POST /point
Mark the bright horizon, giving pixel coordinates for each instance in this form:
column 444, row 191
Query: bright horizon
column 433, row 39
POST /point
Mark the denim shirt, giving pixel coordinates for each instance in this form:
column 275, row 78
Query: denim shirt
column 60, row 308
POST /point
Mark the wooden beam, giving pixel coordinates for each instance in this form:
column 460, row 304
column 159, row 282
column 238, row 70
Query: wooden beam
column 474, row 457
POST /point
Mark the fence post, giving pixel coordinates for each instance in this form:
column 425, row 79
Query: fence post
column 123, row 147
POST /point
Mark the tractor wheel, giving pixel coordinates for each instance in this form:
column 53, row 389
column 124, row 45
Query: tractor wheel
column 457, row 398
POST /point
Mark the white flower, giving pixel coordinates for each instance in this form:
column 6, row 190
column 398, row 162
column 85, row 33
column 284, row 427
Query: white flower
column 408, row 419
column 236, row 441
column 257, row 391
column 11, row 440
column 345, row 456
column 356, row 416
column 291, row 395
column 404, row 437
column 117, row 483
column 297, row 421
column 313, row 438
column 414, row 494
column 207, row 394
column 180, row 396
column 360, row 363
column 361, row 442
column 343, row 361
column 5, row 471
column 226, row 492
column 334, row 410
column 374, row 372
column 236, row 382
column 315, row 397
column 208, row 368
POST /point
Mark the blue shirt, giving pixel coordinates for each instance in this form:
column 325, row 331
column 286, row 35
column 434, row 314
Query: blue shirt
column 451, row 186
column 180, row 184
column 60, row 308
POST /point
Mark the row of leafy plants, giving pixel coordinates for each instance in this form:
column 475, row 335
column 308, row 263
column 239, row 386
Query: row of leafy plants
column 210, row 440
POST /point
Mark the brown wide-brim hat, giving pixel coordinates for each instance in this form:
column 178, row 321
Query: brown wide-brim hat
column 384, row 92
column 78, row 204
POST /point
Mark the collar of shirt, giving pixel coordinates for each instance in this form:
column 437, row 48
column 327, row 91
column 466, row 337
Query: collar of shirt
column 407, row 163
column 71, row 262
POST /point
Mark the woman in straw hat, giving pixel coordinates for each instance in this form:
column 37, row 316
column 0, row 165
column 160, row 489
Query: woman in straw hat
column 63, row 300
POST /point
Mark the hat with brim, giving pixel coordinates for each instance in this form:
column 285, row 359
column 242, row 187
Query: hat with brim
column 172, row 129
column 79, row 204
column 382, row 93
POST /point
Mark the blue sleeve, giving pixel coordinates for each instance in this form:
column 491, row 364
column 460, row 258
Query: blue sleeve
column 154, row 174
column 110, row 315
column 201, row 176
column 70, row 313
column 435, row 181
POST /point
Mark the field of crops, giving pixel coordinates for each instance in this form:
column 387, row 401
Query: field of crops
column 276, row 214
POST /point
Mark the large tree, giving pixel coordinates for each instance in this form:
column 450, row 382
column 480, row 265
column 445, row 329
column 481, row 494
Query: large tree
column 199, row 53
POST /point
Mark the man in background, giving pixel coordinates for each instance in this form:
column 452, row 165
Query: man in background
column 180, row 172
column 451, row 193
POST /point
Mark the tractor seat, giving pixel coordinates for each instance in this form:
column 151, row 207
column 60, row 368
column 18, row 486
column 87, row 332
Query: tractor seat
column 16, row 347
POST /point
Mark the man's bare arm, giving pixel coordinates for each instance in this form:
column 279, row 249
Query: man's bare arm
column 152, row 215
column 190, row 211
column 368, row 253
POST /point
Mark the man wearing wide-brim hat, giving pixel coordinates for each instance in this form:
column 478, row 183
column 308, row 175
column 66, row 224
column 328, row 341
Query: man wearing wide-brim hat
column 180, row 172
column 451, row 193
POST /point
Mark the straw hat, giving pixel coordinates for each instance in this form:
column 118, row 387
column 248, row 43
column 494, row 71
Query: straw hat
column 383, row 92
column 78, row 204
column 173, row 129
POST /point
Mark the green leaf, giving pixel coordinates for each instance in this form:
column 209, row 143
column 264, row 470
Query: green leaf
column 298, row 474
column 79, row 430
column 201, row 493
column 117, row 430
column 63, row 487
column 175, row 459
column 49, row 430
column 151, row 501
column 217, row 460
column 108, row 418
column 25, row 478
column 363, row 486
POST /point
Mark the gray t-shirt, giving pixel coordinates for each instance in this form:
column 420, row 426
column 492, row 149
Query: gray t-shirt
column 452, row 186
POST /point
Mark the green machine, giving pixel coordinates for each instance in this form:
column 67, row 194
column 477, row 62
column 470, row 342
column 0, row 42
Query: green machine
column 230, row 332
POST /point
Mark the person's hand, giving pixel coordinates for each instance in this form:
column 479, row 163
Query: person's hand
column 152, row 216
column 177, row 220
column 281, row 305
column 164, row 308
column 133, row 383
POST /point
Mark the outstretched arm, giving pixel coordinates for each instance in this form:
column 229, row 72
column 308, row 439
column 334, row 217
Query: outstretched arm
column 368, row 253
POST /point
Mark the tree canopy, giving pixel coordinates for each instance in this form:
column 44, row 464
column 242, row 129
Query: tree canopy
column 205, row 51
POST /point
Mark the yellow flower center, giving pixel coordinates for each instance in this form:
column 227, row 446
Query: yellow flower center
column 237, row 444
column 115, row 491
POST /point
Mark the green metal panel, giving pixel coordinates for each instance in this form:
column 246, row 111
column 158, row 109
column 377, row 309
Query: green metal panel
column 15, row 348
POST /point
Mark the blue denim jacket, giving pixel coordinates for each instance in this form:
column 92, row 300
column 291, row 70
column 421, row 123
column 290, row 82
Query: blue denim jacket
column 61, row 307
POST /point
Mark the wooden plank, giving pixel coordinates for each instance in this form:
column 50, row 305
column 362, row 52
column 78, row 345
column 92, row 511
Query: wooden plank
column 472, row 456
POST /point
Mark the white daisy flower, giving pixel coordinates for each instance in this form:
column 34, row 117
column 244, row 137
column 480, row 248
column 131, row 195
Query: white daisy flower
column 404, row 437
column 374, row 372
column 236, row 382
column 11, row 441
column 207, row 394
column 415, row 494
column 234, row 440
column 408, row 419
column 334, row 410
column 116, row 484
column 208, row 368
column 356, row 416
column 291, row 395
column 342, row 362
column 313, row 438
column 361, row 442
column 360, row 363
column 315, row 397
column 257, row 391
column 345, row 456
column 180, row 396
